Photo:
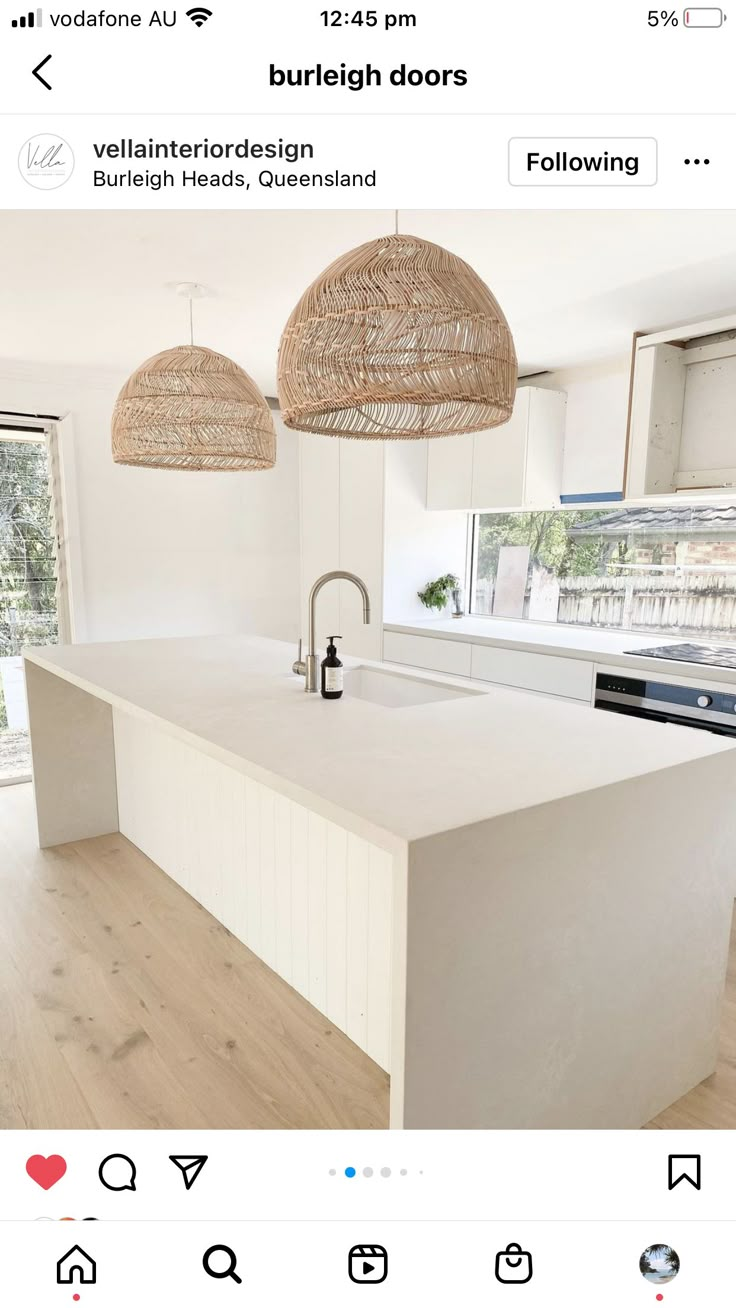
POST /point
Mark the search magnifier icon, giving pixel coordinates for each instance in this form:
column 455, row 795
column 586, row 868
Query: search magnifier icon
column 215, row 1266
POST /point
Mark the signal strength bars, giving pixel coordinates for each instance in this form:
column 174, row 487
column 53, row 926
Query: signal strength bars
column 30, row 20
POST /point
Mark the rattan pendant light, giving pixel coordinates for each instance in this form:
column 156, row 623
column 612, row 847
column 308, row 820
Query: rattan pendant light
column 194, row 409
column 397, row 339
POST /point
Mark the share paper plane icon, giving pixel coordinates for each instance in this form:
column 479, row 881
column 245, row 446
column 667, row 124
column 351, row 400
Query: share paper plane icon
column 190, row 1165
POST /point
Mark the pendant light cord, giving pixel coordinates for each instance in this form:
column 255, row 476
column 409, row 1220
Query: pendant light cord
column 191, row 320
column 396, row 222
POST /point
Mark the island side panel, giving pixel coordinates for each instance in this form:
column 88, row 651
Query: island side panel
column 313, row 900
column 73, row 755
column 566, row 963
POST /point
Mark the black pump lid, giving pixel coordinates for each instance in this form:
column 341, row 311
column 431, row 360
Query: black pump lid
column 331, row 647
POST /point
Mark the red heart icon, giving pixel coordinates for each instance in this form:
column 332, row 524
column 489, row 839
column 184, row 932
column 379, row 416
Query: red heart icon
column 46, row 1171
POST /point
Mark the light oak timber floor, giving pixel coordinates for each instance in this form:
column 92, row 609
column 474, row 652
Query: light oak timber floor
column 124, row 1004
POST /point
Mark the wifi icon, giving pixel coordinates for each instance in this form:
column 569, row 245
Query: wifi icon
column 199, row 15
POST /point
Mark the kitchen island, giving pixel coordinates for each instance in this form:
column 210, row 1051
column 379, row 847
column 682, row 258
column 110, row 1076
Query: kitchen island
column 517, row 906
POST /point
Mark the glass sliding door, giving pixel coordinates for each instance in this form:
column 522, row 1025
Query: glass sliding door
column 28, row 576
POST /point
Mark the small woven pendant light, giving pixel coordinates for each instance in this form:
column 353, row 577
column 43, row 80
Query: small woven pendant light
column 192, row 408
column 397, row 339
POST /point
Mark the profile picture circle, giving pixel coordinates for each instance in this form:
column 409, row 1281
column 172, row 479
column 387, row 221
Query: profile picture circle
column 46, row 161
column 659, row 1264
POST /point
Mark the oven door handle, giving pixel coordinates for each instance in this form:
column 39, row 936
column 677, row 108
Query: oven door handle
column 655, row 710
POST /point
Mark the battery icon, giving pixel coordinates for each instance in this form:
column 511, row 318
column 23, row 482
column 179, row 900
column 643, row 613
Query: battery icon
column 703, row 17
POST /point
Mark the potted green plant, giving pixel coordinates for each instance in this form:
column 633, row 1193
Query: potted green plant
column 436, row 593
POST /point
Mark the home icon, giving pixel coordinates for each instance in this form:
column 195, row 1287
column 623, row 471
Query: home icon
column 76, row 1265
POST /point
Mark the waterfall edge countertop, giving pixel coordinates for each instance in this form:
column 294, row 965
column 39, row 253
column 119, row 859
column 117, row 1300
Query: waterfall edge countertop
column 395, row 774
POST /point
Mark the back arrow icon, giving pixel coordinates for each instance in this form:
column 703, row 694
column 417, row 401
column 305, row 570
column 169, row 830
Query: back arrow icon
column 37, row 74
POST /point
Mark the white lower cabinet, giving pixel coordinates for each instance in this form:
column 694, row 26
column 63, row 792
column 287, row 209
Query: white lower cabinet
column 569, row 678
column 450, row 656
column 546, row 674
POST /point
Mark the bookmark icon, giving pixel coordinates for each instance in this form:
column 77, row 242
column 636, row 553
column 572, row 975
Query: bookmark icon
column 683, row 1167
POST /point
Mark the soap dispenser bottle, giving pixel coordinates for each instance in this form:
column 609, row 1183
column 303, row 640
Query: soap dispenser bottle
column 332, row 671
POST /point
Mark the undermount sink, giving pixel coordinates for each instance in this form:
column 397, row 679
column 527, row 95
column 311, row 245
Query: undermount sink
column 396, row 690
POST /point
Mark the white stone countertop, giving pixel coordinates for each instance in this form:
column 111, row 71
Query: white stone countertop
column 392, row 774
column 574, row 642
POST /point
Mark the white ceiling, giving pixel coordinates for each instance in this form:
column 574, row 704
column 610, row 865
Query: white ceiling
column 90, row 289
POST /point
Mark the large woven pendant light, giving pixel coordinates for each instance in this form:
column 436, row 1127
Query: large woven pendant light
column 397, row 339
column 194, row 409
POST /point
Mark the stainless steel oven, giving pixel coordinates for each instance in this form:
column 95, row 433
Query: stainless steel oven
column 662, row 701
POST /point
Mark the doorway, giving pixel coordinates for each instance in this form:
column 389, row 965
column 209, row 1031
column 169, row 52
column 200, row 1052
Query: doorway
column 32, row 610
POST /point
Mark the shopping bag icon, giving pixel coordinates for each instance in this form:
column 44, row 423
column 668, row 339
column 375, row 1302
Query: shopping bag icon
column 513, row 1265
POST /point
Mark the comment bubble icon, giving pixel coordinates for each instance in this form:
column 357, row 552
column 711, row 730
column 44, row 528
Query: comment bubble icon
column 117, row 1172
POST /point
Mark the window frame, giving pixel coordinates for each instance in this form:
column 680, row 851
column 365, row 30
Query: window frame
column 42, row 430
column 57, row 434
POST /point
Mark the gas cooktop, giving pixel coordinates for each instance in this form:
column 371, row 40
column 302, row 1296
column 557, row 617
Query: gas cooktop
column 717, row 656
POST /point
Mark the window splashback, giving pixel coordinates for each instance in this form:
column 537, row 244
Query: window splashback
column 668, row 569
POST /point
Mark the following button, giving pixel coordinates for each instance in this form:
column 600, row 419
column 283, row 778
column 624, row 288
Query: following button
column 582, row 161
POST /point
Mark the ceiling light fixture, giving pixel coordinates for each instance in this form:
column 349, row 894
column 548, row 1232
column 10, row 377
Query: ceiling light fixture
column 398, row 339
column 194, row 409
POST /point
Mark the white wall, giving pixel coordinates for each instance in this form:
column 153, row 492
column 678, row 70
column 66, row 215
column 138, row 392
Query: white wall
column 420, row 544
column 167, row 553
column 170, row 553
column 595, row 430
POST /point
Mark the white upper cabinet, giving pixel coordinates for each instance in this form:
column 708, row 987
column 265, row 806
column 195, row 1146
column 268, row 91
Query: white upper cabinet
column 517, row 466
column 450, row 472
column 319, row 473
column 362, row 470
column 682, row 435
column 499, row 460
column 342, row 498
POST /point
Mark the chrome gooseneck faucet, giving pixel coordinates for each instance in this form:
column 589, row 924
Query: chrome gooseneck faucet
column 307, row 668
